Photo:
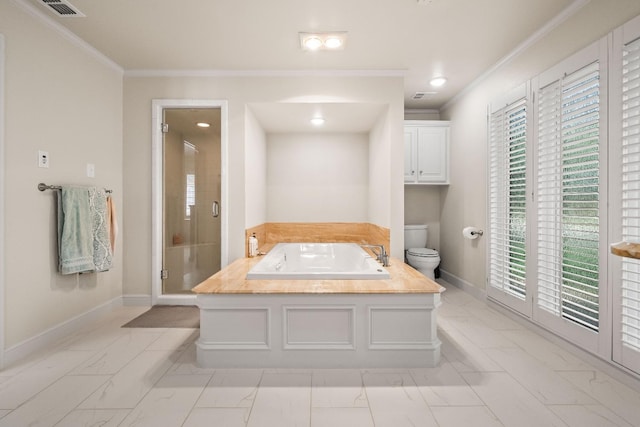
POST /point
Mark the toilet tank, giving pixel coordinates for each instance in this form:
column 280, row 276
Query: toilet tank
column 415, row 236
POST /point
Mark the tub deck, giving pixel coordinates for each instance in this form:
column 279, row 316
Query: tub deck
column 232, row 280
column 317, row 323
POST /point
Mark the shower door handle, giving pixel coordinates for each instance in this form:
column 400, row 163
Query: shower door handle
column 215, row 209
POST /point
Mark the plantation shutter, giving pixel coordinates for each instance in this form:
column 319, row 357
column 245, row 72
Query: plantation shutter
column 630, row 295
column 568, row 197
column 507, row 199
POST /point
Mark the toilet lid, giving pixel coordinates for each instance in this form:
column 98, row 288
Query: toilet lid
column 423, row 252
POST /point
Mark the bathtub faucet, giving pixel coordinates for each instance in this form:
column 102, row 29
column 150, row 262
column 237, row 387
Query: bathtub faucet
column 381, row 254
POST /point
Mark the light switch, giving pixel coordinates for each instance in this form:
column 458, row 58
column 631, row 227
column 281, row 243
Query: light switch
column 43, row 159
column 91, row 170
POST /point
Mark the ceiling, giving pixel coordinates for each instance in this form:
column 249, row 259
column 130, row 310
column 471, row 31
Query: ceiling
column 459, row 39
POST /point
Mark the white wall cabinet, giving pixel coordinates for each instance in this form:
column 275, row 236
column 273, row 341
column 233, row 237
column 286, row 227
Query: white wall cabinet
column 426, row 152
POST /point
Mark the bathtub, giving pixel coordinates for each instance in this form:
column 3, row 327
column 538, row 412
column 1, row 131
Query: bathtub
column 317, row 261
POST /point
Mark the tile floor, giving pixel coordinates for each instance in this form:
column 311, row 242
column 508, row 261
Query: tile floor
column 494, row 372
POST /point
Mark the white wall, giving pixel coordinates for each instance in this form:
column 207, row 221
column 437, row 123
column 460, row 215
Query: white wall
column 319, row 177
column 64, row 100
column 139, row 91
column 422, row 206
column 464, row 202
column 256, row 167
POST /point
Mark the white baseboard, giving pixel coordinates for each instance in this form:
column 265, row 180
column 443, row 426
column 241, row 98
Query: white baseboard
column 464, row 285
column 55, row 333
column 136, row 300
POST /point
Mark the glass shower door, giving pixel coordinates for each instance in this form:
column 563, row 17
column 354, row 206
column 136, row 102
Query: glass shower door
column 192, row 190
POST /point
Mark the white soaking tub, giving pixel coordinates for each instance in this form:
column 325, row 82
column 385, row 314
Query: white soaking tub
column 317, row 261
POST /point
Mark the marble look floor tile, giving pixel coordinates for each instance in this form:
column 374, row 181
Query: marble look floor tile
column 94, row 418
column 4, row 412
column 175, row 339
column 340, row 388
column 510, row 401
column 588, row 416
column 168, row 403
column 53, row 403
column 464, row 355
column 115, row 356
column 493, row 319
column 444, row 386
column 21, row 387
column 545, row 351
column 187, row 363
column 231, row 389
column 283, row 399
column 341, row 417
column 476, row 416
column 616, row 396
column 477, row 332
column 128, row 387
column 395, row 401
column 546, row 385
column 223, row 417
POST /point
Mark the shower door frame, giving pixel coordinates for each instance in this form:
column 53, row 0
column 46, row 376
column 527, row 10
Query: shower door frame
column 157, row 190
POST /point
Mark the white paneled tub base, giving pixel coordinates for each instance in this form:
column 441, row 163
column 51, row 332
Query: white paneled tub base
column 318, row 330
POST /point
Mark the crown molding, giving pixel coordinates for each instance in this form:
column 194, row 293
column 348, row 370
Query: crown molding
column 560, row 18
column 264, row 73
column 67, row 34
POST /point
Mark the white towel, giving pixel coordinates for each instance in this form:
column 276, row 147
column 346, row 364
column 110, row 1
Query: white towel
column 102, row 257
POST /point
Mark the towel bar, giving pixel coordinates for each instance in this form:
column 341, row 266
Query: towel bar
column 43, row 187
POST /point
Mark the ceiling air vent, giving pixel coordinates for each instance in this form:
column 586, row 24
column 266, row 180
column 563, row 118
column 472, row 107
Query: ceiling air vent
column 420, row 95
column 63, row 8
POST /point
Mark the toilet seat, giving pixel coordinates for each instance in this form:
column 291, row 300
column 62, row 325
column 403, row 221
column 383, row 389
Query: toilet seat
column 423, row 252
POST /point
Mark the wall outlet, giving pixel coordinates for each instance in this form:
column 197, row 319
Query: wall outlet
column 91, row 170
column 43, row 159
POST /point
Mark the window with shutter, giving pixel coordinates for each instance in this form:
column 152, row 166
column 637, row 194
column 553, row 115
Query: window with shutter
column 630, row 294
column 507, row 199
column 568, row 197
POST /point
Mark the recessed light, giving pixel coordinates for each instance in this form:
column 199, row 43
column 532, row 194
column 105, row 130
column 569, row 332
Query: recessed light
column 437, row 81
column 323, row 41
column 333, row 42
column 203, row 124
column 313, row 43
column 317, row 121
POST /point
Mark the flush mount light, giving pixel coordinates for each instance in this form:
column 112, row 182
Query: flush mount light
column 437, row 81
column 317, row 121
column 323, row 41
column 203, row 124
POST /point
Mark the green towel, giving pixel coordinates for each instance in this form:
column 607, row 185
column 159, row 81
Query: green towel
column 75, row 231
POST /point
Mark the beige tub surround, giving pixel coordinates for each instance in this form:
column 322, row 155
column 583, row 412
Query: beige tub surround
column 318, row 323
column 270, row 233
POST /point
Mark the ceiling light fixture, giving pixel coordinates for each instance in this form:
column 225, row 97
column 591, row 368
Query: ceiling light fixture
column 203, row 124
column 323, row 41
column 317, row 121
column 438, row 81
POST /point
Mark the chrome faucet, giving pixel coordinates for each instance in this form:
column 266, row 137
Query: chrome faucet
column 381, row 255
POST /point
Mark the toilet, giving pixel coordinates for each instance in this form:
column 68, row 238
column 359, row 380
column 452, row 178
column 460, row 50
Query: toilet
column 418, row 256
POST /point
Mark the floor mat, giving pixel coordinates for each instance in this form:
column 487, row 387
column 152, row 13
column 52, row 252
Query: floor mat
column 167, row 316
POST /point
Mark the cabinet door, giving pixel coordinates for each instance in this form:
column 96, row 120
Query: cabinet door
column 410, row 160
column 433, row 155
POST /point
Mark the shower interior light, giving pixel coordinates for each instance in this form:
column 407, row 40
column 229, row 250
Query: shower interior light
column 203, row 124
column 317, row 121
column 437, row 81
column 323, row 41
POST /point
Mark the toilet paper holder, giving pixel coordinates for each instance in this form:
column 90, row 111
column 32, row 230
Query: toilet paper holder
column 472, row 233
